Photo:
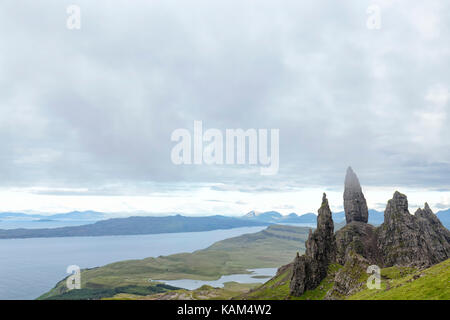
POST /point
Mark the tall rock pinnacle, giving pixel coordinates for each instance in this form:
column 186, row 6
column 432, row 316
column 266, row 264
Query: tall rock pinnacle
column 311, row 268
column 418, row 240
column 355, row 205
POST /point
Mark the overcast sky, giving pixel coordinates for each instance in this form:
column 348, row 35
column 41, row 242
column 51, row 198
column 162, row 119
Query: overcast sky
column 86, row 115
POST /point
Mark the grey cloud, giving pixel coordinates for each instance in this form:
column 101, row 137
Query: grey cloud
column 441, row 205
column 97, row 106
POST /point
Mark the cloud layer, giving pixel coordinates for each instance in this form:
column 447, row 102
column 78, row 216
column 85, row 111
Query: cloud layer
column 94, row 108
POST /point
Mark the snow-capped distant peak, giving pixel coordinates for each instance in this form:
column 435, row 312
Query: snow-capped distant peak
column 252, row 213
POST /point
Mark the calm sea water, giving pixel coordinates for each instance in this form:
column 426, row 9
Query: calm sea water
column 31, row 267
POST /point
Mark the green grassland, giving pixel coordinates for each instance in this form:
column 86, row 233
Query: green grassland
column 397, row 283
column 88, row 293
column 272, row 247
column 276, row 288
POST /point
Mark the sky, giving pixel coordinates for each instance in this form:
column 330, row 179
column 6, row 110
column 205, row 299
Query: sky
column 86, row 115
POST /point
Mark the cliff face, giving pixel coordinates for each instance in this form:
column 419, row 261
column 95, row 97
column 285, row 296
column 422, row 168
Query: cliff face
column 311, row 268
column 435, row 235
column 413, row 240
column 403, row 239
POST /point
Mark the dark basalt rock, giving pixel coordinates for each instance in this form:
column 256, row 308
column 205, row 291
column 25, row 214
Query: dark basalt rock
column 355, row 205
column 347, row 279
column 300, row 275
column 435, row 235
column 357, row 235
column 361, row 238
column 311, row 268
column 412, row 240
column 418, row 240
column 429, row 221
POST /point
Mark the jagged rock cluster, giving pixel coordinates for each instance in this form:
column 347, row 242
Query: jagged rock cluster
column 418, row 240
column 311, row 268
column 415, row 240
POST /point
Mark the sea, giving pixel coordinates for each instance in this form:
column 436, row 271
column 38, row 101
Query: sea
column 31, row 267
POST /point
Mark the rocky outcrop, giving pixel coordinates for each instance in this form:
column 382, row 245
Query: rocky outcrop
column 435, row 237
column 348, row 279
column 433, row 229
column 360, row 238
column 355, row 205
column 357, row 236
column 311, row 268
column 417, row 240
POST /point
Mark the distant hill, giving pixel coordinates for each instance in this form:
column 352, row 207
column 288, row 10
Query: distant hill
column 91, row 223
column 276, row 217
column 269, row 216
column 304, row 218
column 134, row 226
column 375, row 217
column 79, row 215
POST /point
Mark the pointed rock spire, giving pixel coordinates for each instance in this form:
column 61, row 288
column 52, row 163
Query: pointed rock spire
column 311, row 268
column 427, row 213
column 355, row 205
column 324, row 218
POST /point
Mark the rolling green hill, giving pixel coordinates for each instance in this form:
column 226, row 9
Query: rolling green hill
column 408, row 284
column 397, row 283
column 271, row 247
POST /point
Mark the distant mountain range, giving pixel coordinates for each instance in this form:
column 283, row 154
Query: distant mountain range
column 74, row 215
column 92, row 223
column 276, row 217
column 375, row 217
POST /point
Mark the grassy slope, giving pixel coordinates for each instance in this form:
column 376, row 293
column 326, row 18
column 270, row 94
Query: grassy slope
column 277, row 288
column 230, row 290
column 87, row 293
column 409, row 284
column 398, row 283
column 271, row 247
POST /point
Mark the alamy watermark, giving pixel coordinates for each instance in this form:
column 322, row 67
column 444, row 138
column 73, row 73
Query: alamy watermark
column 74, row 280
column 234, row 146
column 374, row 281
column 374, row 19
column 73, row 21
